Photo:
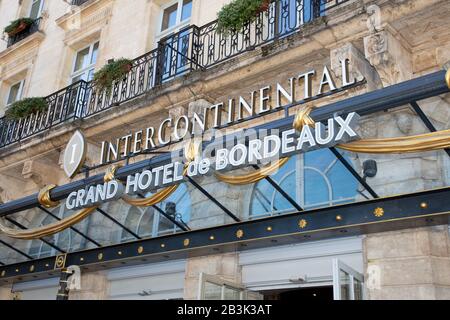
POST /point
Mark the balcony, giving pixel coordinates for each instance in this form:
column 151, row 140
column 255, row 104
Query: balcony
column 25, row 33
column 193, row 48
column 78, row 2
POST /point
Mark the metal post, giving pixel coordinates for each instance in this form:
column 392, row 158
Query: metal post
column 63, row 292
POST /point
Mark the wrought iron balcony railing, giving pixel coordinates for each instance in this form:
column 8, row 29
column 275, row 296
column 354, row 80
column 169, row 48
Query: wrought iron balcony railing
column 27, row 32
column 193, row 48
column 78, row 2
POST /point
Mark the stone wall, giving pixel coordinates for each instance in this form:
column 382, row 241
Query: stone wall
column 386, row 44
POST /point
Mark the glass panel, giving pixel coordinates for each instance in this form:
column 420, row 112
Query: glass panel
column 231, row 294
column 82, row 60
column 35, row 9
column 132, row 223
column 94, row 53
column 326, row 180
column 14, row 93
column 146, row 223
column 345, row 285
column 357, row 289
column 187, row 10
column 212, row 291
column 169, row 17
column 90, row 74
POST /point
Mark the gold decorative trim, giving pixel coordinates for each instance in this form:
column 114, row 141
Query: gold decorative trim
column 49, row 229
column 186, row 242
column 302, row 118
column 44, row 197
column 378, row 212
column 239, row 233
column 302, row 223
column 60, row 261
column 153, row 199
column 254, row 176
column 192, row 149
column 110, row 173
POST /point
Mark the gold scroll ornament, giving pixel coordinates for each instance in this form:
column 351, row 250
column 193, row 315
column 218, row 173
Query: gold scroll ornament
column 49, row 229
column 419, row 143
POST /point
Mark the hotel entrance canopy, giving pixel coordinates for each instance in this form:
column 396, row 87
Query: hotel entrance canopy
column 372, row 213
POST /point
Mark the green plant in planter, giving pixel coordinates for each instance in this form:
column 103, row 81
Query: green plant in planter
column 23, row 108
column 113, row 71
column 18, row 26
column 235, row 15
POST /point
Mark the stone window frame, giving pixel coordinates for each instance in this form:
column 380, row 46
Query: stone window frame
column 87, row 69
column 179, row 23
column 19, row 95
column 40, row 9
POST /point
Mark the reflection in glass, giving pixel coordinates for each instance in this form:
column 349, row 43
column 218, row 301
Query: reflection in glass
column 314, row 179
column 345, row 285
column 150, row 222
column 212, row 291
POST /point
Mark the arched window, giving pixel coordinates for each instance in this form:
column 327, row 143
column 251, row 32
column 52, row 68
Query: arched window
column 39, row 249
column 314, row 179
column 150, row 222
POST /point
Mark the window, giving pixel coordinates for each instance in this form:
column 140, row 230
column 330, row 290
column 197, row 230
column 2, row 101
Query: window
column 84, row 64
column 149, row 222
column 15, row 92
column 36, row 8
column 39, row 249
column 314, row 179
column 176, row 14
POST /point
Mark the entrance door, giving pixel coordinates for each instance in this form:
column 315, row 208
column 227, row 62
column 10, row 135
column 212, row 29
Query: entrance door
column 347, row 282
column 213, row 287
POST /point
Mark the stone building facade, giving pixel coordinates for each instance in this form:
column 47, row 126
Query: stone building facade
column 385, row 43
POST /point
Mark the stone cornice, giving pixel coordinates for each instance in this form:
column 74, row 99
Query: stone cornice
column 85, row 19
column 20, row 53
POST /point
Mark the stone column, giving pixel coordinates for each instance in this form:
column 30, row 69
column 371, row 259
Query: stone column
column 225, row 266
column 408, row 264
column 5, row 292
column 94, row 286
